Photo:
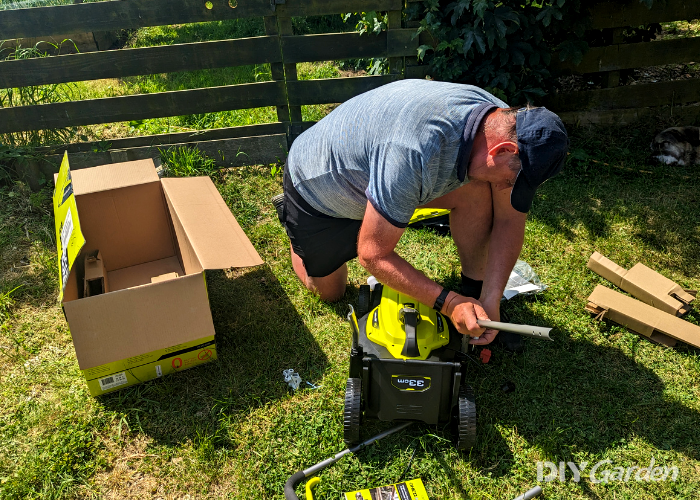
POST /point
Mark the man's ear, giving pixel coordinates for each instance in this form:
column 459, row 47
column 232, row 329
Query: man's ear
column 503, row 148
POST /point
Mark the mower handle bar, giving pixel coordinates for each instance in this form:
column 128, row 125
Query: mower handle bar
column 536, row 332
column 298, row 477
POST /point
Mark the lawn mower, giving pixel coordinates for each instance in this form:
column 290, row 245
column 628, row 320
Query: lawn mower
column 408, row 363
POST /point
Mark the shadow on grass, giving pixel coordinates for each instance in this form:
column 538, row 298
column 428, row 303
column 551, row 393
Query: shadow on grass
column 574, row 396
column 258, row 335
column 609, row 184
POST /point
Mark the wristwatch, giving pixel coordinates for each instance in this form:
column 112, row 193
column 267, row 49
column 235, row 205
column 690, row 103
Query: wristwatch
column 440, row 301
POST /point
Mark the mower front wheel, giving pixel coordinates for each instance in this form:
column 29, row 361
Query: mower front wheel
column 353, row 412
column 464, row 419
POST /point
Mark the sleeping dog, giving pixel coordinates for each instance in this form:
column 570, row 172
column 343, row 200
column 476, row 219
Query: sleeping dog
column 677, row 146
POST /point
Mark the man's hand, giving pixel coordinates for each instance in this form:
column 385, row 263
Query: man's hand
column 494, row 312
column 464, row 311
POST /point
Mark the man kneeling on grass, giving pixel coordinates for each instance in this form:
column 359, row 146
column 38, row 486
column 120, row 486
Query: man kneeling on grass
column 353, row 181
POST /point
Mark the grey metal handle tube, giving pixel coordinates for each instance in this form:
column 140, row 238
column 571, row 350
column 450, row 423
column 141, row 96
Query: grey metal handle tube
column 534, row 492
column 536, row 332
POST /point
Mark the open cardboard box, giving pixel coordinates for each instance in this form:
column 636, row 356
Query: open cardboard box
column 155, row 238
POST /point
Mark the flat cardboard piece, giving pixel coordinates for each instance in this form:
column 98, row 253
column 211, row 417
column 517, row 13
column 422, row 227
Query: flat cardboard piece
column 95, row 282
column 645, row 284
column 205, row 224
column 641, row 318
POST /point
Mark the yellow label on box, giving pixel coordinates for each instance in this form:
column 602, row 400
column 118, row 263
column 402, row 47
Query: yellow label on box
column 412, row 489
column 131, row 371
column 69, row 237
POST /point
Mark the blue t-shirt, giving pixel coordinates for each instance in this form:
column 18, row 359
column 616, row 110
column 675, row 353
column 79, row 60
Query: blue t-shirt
column 399, row 146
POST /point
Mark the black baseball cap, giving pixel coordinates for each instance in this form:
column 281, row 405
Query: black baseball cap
column 542, row 144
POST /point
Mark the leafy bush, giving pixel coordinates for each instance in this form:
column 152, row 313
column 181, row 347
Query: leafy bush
column 506, row 47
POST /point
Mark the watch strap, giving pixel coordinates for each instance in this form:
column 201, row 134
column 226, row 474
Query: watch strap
column 440, row 301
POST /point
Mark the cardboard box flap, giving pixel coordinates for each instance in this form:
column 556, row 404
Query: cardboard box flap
column 643, row 318
column 644, row 283
column 113, row 176
column 69, row 236
column 213, row 232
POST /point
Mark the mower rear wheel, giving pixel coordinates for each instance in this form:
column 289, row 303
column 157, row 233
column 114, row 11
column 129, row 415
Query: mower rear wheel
column 363, row 300
column 464, row 419
column 353, row 412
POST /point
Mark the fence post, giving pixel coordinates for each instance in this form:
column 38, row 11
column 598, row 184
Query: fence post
column 277, row 73
column 396, row 64
column 612, row 78
column 284, row 25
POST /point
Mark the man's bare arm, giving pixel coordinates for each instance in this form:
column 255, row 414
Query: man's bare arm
column 376, row 253
column 507, row 237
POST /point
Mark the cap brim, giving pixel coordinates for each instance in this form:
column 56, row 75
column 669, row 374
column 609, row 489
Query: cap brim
column 522, row 194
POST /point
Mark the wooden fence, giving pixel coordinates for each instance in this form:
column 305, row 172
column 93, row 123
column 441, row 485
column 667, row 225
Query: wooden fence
column 268, row 143
column 628, row 103
column 262, row 144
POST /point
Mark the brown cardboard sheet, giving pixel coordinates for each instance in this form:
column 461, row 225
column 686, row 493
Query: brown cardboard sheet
column 111, row 327
column 645, row 284
column 207, row 224
column 142, row 274
column 642, row 318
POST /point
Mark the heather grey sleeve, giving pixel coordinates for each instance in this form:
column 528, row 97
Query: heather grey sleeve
column 395, row 182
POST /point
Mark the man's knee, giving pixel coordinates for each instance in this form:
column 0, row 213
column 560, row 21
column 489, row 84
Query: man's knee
column 330, row 288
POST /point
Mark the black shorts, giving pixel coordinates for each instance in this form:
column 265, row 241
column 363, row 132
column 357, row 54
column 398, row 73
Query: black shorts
column 324, row 243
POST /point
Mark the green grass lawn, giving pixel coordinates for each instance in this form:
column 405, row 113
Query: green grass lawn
column 233, row 429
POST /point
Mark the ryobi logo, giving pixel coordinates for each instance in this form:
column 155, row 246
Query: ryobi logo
column 410, row 383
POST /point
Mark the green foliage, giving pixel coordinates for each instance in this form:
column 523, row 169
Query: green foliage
column 186, row 161
column 38, row 94
column 505, row 47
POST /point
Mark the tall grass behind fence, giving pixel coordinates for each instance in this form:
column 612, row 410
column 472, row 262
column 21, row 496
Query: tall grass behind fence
column 279, row 48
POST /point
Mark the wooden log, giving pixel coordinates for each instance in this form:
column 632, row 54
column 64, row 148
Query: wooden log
column 673, row 93
column 634, row 13
column 332, row 47
column 333, row 90
column 635, row 55
column 142, row 61
column 144, row 106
